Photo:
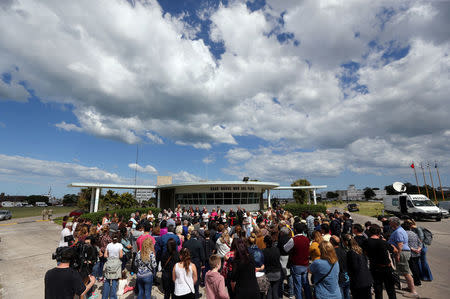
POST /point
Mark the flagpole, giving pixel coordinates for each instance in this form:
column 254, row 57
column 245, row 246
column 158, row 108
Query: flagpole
column 415, row 174
column 432, row 183
column 437, row 170
column 425, row 181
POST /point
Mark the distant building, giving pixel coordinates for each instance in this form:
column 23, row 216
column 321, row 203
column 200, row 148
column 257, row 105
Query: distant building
column 354, row 194
column 143, row 194
column 380, row 193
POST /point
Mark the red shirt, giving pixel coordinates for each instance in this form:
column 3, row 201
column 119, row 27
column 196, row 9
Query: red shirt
column 142, row 238
column 300, row 252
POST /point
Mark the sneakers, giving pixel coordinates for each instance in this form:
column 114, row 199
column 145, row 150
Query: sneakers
column 412, row 295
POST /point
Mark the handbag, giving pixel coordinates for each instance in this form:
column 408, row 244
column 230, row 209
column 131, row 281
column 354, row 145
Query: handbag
column 263, row 283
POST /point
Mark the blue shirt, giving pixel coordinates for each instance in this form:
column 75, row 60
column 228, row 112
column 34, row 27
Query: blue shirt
column 399, row 235
column 329, row 287
column 257, row 254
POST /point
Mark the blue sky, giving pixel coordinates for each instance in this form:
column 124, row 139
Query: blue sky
column 220, row 90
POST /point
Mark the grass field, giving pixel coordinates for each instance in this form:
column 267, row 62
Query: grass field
column 37, row 211
column 366, row 208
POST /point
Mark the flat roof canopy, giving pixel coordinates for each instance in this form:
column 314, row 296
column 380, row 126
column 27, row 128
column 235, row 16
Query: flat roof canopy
column 265, row 185
column 112, row 186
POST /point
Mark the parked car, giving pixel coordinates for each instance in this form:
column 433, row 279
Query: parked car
column 76, row 213
column 444, row 212
column 444, row 205
column 352, row 207
column 5, row 214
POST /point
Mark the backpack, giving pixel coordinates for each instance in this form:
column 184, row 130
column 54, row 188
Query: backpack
column 427, row 236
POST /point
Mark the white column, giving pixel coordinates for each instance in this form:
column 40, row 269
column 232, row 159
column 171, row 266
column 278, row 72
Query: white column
column 97, row 197
column 269, row 204
column 92, row 201
column 158, row 198
column 314, row 196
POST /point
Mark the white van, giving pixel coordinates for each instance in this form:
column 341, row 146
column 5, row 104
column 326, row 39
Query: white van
column 417, row 206
column 41, row 204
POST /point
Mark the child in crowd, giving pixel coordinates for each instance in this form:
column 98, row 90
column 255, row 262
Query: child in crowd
column 122, row 287
column 214, row 281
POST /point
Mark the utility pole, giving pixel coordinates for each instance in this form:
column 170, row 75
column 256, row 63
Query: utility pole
column 425, row 181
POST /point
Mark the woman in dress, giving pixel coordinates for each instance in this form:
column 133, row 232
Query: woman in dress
column 184, row 275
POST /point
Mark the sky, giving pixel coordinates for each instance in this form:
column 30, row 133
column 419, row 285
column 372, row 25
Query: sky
column 335, row 91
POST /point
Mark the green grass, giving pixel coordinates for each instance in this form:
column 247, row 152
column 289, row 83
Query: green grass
column 366, row 208
column 37, row 211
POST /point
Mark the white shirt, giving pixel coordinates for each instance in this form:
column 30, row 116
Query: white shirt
column 184, row 282
column 114, row 249
column 205, row 217
column 65, row 232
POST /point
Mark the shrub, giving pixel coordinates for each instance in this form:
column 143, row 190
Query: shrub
column 98, row 216
column 299, row 209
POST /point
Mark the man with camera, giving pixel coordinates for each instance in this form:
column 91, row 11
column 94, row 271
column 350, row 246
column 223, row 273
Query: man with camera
column 64, row 282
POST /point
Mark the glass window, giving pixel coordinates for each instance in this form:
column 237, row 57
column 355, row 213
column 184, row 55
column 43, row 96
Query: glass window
column 422, row 203
column 210, row 201
column 202, row 198
column 395, row 202
column 236, row 198
column 227, row 195
column 194, row 195
column 191, row 202
column 244, row 201
column 210, row 195
column 244, row 195
column 227, row 201
column 219, row 201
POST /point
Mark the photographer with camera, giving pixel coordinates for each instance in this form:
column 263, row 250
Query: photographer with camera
column 64, row 282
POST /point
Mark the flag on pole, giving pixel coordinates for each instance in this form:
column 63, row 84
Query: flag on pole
column 412, row 165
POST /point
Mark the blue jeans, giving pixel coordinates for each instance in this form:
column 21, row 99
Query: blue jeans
column 345, row 289
column 300, row 276
column 290, row 281
column 145, row 286
column 110, row 289
column 424, row 268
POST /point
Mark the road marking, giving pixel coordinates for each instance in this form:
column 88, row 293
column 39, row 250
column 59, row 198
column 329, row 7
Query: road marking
column 41, row 220
column 5, row 224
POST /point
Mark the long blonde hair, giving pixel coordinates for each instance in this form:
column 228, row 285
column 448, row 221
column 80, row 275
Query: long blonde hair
column 317, row 236
column 353, row 245
column 225, row 237
column 146, row 249
column 327, row 252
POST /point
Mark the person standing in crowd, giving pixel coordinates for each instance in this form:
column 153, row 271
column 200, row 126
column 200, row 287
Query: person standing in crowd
column 360, row 277
column 214, row 281
column 325, row 273
column 310, row 223
column 272, row 267
column 344, row 279
column 146, row 265
column 164, row 238
column 168, row 261
column 415, row 245
column 298, row 247
column 325, row 230
column 348, row 222
column 424, row 268
column 184, row 275
column 399, row 239
column 197, row 254
column 113, row 268
column 65, row 232
column 359, row 236
column 243, row 277
column 335, row 225
column 378, row 251
column 223, row 244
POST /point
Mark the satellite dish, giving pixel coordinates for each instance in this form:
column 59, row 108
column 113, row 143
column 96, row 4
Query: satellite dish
column 399, row 187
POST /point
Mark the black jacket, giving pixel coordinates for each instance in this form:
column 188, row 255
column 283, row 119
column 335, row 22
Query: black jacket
column 196, row 250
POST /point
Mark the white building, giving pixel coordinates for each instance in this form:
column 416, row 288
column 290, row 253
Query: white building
column 143, row 194
column 380, row 193
column 354, row 194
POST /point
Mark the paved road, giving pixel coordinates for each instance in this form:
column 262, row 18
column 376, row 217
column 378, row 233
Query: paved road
column 26, row 248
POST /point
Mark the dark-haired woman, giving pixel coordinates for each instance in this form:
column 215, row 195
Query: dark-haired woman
column 169, row 259
column 112, row 269
column 272, row 267
column 360, row 276
column 243, row 277
column 184, row 275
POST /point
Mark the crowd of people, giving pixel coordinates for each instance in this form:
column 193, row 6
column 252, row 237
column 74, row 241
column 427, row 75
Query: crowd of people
column 238, row 254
